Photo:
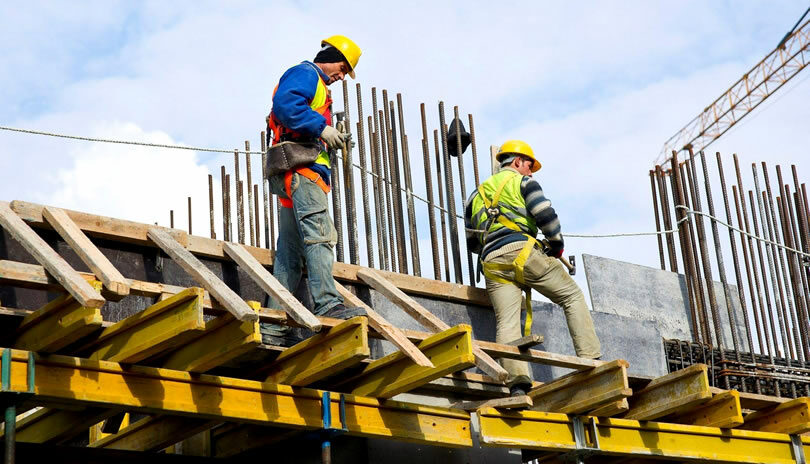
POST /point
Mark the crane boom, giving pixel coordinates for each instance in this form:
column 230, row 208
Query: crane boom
column 760, row 82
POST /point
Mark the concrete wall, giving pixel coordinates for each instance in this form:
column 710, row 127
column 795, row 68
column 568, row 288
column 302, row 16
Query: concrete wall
column 645, row 293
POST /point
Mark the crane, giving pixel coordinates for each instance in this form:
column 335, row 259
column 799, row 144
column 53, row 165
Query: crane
column 754, row 87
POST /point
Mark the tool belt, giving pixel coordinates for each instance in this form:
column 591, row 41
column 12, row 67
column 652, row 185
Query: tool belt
column 286, row 156
column 309, row 174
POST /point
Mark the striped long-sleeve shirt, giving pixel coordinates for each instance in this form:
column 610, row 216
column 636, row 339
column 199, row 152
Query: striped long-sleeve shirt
column 537, row 205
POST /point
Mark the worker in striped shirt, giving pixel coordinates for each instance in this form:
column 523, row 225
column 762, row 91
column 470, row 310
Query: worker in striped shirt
column 503, row 217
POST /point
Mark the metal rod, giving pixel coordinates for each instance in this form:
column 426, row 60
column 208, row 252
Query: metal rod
column 803, row 281
column 462, row 184
column 189, row 215
column 474, row 150
column 271, row 219
column 783, row 257
column 786, row 213
column 776, row 350
column 256, row 211
column 704, row 253
column 385, row 206
column 434, row 246
column 406, row 162
column 378, row 191
column 694, row 248
column 265, row 194
column 690, row 282
column 396, row 185
column 657, row 221
column 441, row 205
column 451, row 199
column 171, row 218
column 662, row 187
column 348, row 184
column 10, row 435
column 336, row 206
column 251, row 223
column 240, row 206
column 361, row 146
column 211, row 205
column 389, row 203
column 224, row 190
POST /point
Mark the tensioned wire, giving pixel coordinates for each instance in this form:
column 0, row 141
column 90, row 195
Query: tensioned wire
column 689, row 212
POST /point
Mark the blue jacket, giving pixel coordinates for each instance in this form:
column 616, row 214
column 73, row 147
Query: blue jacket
column 295, row 91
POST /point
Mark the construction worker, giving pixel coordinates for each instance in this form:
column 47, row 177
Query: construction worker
column 302, row 113
column 502, row 218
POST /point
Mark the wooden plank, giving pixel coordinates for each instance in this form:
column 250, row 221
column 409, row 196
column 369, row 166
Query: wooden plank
column 47, row 257
column 722, row 410
column 322, row 355
column 153, row 433
column 529, row 341
column 467, row 384
column 161, row 327
column 790, row 417
column 271, row 286
column 450, row 351
column 612, row 409
column 579, row 392
column 384, row 328
column 227, row 297
column 754, row 401
column 671, row 394
column 427, row 319
column 56, row 426
column 87, row 252
column 56, row 325
column 510, row 402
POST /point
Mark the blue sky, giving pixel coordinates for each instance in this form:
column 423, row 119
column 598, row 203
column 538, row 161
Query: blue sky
column 595, row 87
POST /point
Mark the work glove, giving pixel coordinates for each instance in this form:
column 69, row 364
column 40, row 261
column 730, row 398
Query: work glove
column 555, row 248
column 332, row 137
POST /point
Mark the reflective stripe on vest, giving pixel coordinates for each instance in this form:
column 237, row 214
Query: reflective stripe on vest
column 309, row 174
column 502, row 190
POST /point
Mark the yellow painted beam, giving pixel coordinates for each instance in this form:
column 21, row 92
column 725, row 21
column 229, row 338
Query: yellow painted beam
column 723, row 411
column 583, row 391
column 612, row 409
column 449, row 351
column 83, row 382
column 58, row 324
column 671, row 394
column 97, row 430
column 161, row 327
column 153, row 433
column 619, row 438
column 790, row 417
column 55, row 426
column 322, row 355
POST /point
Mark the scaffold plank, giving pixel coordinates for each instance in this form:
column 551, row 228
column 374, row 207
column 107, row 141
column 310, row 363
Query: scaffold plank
column 271, row 286
column 554, row 432
column 227, row 297
column 141, row 389
column 450, row 351
column 509, row 402
column 322, row 355
column 163, row 326
column 56, row 325
column 87, row 251
column 582, row 391
column 722, row 410
column 55, row 426
column 85, row 294
column 789, row 417
column 427, row 319
column 670, row 394
column 612, row 409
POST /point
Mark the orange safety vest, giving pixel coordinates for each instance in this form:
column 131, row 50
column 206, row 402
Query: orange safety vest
column 321, row 104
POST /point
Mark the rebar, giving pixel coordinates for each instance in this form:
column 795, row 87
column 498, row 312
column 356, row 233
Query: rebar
column 441, row 205
column 786, row 214
column 657, row 221
column 228, row 203
column 361, row 148
column 189, row 215
column 251, row 223
column 211, row 204
column 690, row 283
column 224, row 191
column 474, row 150
column 406, row 162
column 171, row 218
column 451, row 199
column 240, row 206
column 379, row 191
column 434, row 246
column 776, row 351
column 462, row 184
column 393, row 166
column 389, row 203
column 336, row 206
column 256, row 212
column 348, row 183
column 662, row 187
column 383, row 213
column 696, row 261
column 265, row 194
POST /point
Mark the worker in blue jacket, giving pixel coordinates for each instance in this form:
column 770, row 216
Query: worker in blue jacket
column 302, row 113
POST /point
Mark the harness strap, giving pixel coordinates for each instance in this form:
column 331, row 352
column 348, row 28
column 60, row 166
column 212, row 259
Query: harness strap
column 309, row 174
column 517, row 266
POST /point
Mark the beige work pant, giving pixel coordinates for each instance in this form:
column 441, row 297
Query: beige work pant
column 549, row 277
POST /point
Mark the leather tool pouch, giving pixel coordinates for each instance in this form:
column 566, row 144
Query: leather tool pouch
column 285, row 156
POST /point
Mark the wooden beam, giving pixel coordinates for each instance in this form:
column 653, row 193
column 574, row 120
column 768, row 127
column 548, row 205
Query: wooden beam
column 427, row 319
column 56, row 325
column 791, row 417
column 510, row 402
column 57, row 426
column 580, row 392
column 612, row 409
column 227, row 297
column 153, row 433
column 722, row 410
column 322, row 355
column 529, row 341
column 671, row 394
column 384, row 328
column 47, row 257
column 271, row 286
column 163, row 326
column 87, row 252
column 450, row 351
column 467, row 384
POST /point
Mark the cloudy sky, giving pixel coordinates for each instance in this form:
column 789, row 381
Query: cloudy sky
column 594, row 87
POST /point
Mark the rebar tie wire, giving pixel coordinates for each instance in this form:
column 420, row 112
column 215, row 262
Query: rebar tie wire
column 689, row 212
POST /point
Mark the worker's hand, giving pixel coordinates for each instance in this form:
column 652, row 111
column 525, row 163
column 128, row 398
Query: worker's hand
column 555, row 248
column 347, row 139
column 332, row 137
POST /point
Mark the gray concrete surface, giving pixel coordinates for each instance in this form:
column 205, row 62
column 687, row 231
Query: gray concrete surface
column 645, row 293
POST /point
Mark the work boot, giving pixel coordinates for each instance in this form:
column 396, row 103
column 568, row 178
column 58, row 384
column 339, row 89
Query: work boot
column 520, row 389
column 277, row 335
column 340, row 311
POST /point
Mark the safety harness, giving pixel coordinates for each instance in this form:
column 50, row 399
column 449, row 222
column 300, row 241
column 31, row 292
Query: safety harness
column 493, row 212
column 309, row 174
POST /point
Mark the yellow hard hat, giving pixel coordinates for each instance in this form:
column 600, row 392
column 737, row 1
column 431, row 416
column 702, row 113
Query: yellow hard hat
column 518, row 147
column 349, row 49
